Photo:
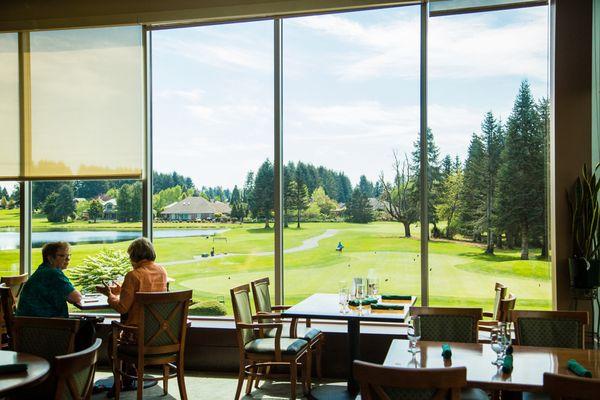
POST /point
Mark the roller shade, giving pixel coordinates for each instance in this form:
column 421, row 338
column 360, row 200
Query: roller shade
column 449, row 7
column 9, row 105
column 86, row 100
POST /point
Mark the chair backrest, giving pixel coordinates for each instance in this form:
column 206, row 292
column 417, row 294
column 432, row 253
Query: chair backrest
column 561, row 387
column 75, row 373
column 505, row 307
column 44, row 337
column 260, row 293
column 163, row 321
column 392, row 383
column 242, row 313
column 7, row 306
column 15, row 283
column 500, row 291
column 448, row 324
column 550, row 328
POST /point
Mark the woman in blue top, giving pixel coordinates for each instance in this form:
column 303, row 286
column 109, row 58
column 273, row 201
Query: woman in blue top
column 47, row 291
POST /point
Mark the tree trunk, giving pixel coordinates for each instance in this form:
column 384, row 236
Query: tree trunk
column 406, row 229
column 544, row 253
column 490, row 242
column 524, row 241
column 499, row 241
column 298, row 225
column 267, row 222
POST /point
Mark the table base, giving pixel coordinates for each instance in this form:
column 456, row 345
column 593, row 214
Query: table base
column 331, row 392
column 110, row 381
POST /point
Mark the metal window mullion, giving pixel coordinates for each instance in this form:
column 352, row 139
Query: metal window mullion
column 278, row 160
column 147, row 215
column 25, row 152
column 424, row 195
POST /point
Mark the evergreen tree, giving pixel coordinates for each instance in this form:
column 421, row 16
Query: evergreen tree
column 473, row 193
column 59, row 205
column 262, row 195
column 521, row 177
column 450, row 199
column 434, row 177
column 41, row 190
column 237, row 207
column 541, row 227
column 344, row 188
column 446, row 167
column 16, row 194
column 3, row 203
column 359, row 209
column 129, row 203
column 493, row 141
column 90, row 189
column 4, row 193
column 247, row 192
column 365, row 186
column 95, row 211
column 299, row 198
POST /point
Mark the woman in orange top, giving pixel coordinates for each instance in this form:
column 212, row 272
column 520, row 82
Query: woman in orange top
column 146, row 276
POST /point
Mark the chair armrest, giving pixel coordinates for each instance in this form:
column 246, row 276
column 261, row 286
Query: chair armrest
column 278, row 327
column 265, row 315
column 280, row 307
column 119, row 327
column 488, row 314
column 488, row 323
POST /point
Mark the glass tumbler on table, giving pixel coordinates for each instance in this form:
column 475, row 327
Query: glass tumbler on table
column 343, row 298
column 414, row 334
column 361, row 288
column 497, row 344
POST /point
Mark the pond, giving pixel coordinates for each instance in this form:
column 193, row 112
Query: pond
column 10, row 240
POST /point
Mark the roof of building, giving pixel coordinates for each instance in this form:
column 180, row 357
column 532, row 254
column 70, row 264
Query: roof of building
column 376, row 204
column 197, row 205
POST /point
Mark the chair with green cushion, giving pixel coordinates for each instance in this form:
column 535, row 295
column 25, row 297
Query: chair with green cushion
column 448, row 324
column 550, row 328
column 162, row 328
column 563, row 387
column 262, row 304
column 75, row 373
column 258, row 351
column 47, row 338
column 379, row 382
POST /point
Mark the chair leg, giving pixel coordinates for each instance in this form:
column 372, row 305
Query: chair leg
column 259, row 370
column 181, row 381
column 140, row 381
column 308, row 362
column 241, row 376
column 320, row 358
column 117, row 376
column 250, row 378
column 166, row 373
column 293, row 378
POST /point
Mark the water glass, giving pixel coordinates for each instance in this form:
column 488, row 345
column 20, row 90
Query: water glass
column 414, row 334
column 343, row 299
column 360, row 294
column 496, row 341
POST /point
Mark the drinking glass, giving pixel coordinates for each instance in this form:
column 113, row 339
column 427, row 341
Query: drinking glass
column 343, row 299
column 497, row 345
column 414, row 334
column 360, row 294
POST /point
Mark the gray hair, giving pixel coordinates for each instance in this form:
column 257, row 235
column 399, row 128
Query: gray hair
column 141, row 249
column 50, row 249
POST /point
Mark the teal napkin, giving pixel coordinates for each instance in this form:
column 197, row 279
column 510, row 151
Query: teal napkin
column 507, row 364
column 387, row 307
column 354, row 303
column 12, row 368
column 578, row 369
column 395, row 297
column 446, row 351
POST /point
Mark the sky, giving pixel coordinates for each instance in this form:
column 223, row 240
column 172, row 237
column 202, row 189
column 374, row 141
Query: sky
column 350, row 88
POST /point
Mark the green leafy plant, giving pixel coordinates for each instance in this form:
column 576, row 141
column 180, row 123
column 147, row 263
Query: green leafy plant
column 106, row 265
column 585, row 215
column 208, row 308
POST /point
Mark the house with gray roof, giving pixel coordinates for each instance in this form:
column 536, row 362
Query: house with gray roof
column 195, row 209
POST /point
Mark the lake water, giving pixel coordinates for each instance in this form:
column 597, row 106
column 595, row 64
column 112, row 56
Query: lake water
column 10, row 240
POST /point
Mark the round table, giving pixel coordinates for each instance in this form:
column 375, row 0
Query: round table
column 37, row 370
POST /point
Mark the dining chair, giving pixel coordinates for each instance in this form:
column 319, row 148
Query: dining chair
column 550, row 328
column 47, row 338
column 448, row 324
column 263, row 307
column 15, row 283
column 563, row 387
column 258, row 351
column 161, row 334
column 505, row 306
column 75, row 373
column 7, row 306
column 379, row 382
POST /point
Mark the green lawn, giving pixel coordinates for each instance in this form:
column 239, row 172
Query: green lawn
column 460, row 274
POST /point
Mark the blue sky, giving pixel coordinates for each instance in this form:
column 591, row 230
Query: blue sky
column 351, row 88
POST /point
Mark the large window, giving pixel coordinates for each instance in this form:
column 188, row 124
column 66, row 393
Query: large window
column 488, row 158
column 213, row 158
column 9, row 228
column 351, row 121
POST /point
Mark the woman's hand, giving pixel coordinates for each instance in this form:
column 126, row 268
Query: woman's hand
column 115, row 289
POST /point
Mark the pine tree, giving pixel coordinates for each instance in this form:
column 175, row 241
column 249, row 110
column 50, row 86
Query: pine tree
column 262, row 195
column 299, row 198
column 473, row 193
column 434, row 177
column 493, row 142
column 365, row 186
column 359, row 209
column 95, row 211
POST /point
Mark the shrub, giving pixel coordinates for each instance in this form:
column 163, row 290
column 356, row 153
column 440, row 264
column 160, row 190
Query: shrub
column 105, row 266
column 208, row 308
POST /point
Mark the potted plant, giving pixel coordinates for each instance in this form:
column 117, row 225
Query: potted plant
column 584, row 265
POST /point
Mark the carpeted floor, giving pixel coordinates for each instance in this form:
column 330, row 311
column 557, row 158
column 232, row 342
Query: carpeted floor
column 209, row 387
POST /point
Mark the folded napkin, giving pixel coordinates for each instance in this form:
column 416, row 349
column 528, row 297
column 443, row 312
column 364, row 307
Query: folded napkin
column 446, row 351
column 509, row 349
column 387, row 307
column 507, row 364
column 395, row 297
column 12, row 368
column 354, row 303
column 578, row 369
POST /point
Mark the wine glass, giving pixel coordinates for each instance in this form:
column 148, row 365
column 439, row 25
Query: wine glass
column 414, row 334
column 343, row 299
column 497, row 345
column 360, row 294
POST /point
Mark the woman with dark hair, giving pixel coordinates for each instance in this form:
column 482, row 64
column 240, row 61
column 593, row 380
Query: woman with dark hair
column 47, row 291
column 146, row 276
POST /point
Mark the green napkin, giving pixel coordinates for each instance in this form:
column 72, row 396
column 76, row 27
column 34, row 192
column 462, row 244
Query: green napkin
column 12, row 368
column 578, row 369
column 507, row 364
column 446, row 351
column 387, row 307
column 354, row 303
column 395, row 297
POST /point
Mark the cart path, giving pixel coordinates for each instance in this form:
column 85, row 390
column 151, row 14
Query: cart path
column 307, row 244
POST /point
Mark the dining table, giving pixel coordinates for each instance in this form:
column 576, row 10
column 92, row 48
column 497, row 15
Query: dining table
column 529, row 363
column 325, row 306
column 37, row 371
column 92, row 301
